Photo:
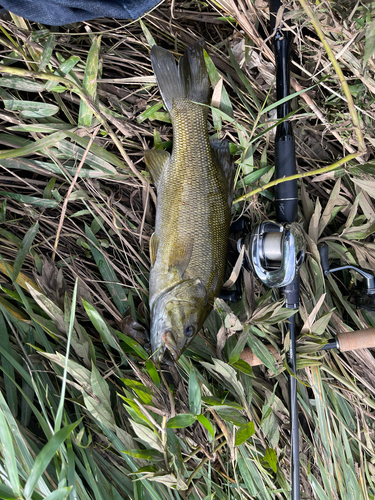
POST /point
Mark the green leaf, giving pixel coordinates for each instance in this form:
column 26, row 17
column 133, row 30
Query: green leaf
column 24, row 249
column 238, row 348
column 47, row 192
column 152, row 371
column 269, row 424
column 98, row 151
column 59, row 494
column 115, row 289
column 10, row 388
column 253, row 177
column 137, row 348
column 227, row 373
column 47, row 52
column 244, row 80
column 90, row 82
column 147, row 34
column 143, row 392
column 37, row 202
column 244, row 433
column 100, row 388
column 145, row 454
column 99, row 323
column 194, row 393
column 134, row 384
column 71, row 150
column 7, row 494
column 370, row 42
column 212, row 401
column 147, row 435
column 33, row 147
column 260, row 350
column 149, row 112
column 66, row 66
column 19, row 83
column 9, row 455
column 181, row 421
column 49, row 307
column 206, row 423
column 31, row 109
column 271, row 458
column 45, row 456
column 63, row 70
column 225, row 103
column 243, row 367
column 3, row 211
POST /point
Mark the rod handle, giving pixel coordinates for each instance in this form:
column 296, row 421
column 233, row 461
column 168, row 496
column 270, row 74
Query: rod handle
column 363, row 339
column 348, row 341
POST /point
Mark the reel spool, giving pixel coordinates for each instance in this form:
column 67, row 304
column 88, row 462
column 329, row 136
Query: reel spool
column 276, row 252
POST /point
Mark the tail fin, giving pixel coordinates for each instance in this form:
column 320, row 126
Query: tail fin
column 189, row 80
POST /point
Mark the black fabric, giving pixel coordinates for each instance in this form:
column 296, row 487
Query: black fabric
column 59, row 12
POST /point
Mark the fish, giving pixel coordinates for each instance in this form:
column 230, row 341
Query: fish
column 188, row 248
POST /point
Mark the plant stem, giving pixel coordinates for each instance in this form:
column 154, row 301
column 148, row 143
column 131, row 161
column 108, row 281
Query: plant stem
column 298, row 176
column 204, row 461
column 340, row 74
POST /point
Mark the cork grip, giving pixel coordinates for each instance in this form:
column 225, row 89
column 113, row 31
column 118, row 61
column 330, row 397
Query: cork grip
column 350, row 341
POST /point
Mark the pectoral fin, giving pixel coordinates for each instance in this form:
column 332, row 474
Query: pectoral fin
column 223, row 159
column 181, row 256
column 155, row 162
column 154, row 245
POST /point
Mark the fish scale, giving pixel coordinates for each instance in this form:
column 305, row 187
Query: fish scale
column 189, row 246
column 192, row 204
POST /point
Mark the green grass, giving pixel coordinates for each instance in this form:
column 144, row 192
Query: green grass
column 84, row 412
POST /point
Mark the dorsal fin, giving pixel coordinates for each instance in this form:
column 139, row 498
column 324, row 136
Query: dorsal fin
column 223, row 159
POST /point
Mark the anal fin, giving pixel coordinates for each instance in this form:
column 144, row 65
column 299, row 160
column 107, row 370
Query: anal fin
column 155, row 162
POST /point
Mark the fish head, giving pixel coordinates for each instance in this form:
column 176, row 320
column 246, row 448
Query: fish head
column 176, row 317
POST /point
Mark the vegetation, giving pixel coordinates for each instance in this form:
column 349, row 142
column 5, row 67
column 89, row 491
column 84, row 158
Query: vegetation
column 85, row 413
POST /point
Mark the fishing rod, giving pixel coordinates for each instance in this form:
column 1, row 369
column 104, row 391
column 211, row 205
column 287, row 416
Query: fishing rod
column 276, row 249
column 286, row 201
column 343, row 342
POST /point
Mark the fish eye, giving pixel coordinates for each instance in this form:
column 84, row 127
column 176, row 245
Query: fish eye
column 189, row 331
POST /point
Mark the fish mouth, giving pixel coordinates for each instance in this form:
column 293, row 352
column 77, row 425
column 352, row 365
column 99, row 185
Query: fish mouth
column 167, row 351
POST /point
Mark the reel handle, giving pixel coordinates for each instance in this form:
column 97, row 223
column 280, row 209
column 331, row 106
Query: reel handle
column 368, row 281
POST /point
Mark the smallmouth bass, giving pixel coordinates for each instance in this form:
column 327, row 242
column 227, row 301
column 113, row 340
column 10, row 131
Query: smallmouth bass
column 189, row 246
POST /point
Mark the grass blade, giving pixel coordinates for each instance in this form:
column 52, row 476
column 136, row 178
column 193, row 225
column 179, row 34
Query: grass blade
column 90, row 82
column 24, row 249
column 45, row 456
